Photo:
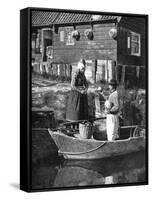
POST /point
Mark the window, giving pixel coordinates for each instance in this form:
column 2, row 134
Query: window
column 135, row 44
column 36, row 42
column 47, row 36
column 70, row 39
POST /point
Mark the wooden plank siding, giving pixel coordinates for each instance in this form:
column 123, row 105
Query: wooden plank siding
column 112, row 56
column 101, row 47
column 68, row 56
column 127, row 24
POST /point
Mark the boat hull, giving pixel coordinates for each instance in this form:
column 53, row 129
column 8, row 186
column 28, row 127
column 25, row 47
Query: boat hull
column 75, row 148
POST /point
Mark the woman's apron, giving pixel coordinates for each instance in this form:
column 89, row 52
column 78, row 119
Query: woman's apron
column 77, row 108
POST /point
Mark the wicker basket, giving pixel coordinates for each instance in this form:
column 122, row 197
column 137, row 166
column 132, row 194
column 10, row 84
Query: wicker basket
column 85, row 130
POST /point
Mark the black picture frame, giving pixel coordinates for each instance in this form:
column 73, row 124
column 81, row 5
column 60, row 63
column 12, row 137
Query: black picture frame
column 26, row 96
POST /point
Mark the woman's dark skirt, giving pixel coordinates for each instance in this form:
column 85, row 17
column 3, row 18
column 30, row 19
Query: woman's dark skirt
column 77, row 107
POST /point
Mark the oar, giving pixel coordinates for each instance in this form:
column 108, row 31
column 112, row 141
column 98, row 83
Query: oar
column 81, row 121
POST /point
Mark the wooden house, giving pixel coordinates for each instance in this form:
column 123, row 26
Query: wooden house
column 113, row 46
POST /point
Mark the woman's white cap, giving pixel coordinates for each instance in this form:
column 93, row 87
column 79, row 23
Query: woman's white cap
column 80, row 65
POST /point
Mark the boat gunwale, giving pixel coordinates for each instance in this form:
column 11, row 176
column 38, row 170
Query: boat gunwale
column 92, row 139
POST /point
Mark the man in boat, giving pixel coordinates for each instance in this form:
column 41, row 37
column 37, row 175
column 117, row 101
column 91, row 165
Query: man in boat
column 112, row 106
column 77, row 107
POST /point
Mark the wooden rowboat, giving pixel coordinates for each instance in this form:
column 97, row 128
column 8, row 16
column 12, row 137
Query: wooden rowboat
column 72, row 147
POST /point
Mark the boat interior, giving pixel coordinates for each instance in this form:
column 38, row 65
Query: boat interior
column 125, row 132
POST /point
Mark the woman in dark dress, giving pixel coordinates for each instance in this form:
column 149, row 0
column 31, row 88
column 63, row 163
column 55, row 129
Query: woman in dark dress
column 77, row 108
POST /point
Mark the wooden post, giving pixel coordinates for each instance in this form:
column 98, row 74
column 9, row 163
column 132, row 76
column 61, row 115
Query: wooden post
column 94, row 70
column 106, row 70
column 103, row 71
column 110, row 70
column 100, row 70
column 114, row 70
column 70, row 72
column 137, row 71
column 66, row 74
column 123, row 75
column 64, row 71
column 118, row 73
column 41, row 68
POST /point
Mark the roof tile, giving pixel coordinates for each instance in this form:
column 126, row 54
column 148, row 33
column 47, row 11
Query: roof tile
column 42, row 18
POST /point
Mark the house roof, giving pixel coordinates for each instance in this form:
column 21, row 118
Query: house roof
column 45, row 18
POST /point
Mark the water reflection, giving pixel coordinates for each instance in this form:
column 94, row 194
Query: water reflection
column 52, row 173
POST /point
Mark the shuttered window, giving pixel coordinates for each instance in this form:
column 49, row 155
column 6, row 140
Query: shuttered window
column 61, row 36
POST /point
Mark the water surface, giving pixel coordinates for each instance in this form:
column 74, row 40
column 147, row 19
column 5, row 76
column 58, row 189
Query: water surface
column 57, row 173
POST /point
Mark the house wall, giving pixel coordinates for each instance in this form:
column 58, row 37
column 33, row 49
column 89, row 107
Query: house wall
column 131, row 68
column 102, row 47
column 127, row 24
column 102, row 54
column 99, row 53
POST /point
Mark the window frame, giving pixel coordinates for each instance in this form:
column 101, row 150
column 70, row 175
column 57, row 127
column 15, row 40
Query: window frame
column 69, row 39
column 43, row 50
column 35, row 49
column 139, row 42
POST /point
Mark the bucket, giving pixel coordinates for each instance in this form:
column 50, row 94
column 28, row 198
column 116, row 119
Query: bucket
column 85, row 130
column 100, row 132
